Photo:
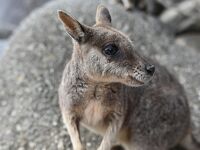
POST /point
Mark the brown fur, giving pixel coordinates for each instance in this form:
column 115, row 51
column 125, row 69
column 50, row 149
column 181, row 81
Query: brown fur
column 116, row 96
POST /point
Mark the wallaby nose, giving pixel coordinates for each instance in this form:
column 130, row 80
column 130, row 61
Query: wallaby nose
column 150, row 69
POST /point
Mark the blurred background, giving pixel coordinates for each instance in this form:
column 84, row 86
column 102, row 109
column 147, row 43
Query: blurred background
column 12, row 12
column 34, row 49
column 181, row 16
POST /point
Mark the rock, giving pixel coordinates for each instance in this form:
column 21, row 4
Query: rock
column 169, row 3
column 153, row 7
column 31, row 68
column 13, row 11
column 179, row 15
column 190, row 40
column 183, row 16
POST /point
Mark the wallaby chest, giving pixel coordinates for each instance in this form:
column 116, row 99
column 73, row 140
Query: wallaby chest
column 100, row 102
column 94, row 116
column 93, row 103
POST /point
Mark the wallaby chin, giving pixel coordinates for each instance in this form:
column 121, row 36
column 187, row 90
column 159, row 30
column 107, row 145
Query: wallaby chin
column 96, row 90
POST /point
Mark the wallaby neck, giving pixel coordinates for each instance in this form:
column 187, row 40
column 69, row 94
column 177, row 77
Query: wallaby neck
column 76, row 70
column 76, row 76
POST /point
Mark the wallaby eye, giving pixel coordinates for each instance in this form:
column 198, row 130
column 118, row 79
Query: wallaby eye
column 110, row 50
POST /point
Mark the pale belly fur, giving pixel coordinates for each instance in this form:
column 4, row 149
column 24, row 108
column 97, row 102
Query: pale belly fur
column 94, row 120
column 93, row 117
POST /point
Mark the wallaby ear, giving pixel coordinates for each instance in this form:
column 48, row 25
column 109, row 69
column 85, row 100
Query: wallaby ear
column 103, row 15
column 73, row 27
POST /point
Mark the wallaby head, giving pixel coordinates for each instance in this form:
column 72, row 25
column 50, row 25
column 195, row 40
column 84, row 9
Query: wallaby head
column 105, row 54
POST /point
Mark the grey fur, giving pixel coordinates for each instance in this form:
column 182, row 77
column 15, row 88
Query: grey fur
column 117, row 98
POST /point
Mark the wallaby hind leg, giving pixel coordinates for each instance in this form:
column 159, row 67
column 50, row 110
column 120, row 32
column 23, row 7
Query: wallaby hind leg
column 72, row 125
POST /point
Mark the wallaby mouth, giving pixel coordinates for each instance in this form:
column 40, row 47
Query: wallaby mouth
column 136, row 81
column 140, row 78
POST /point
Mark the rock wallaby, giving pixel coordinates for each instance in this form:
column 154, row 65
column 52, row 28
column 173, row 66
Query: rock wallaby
column 111, row 89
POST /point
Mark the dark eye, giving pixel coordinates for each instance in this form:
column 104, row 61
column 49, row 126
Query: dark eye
column 110, row 50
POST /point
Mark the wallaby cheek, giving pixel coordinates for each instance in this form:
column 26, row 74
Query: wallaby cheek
column 113, row 72
column 94, row 68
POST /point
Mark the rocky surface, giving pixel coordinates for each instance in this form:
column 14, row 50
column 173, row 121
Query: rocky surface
column 183, row 16
column 32, row 65
column 169, row 3
column 179, row 15
column 189, row 40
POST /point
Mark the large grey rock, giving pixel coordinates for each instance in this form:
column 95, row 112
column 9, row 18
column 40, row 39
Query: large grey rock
column 183, row 16
column 31, row 68
column 189, row 40
column 179, row 15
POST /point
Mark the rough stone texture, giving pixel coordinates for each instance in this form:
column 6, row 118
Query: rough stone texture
column 32, row 65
